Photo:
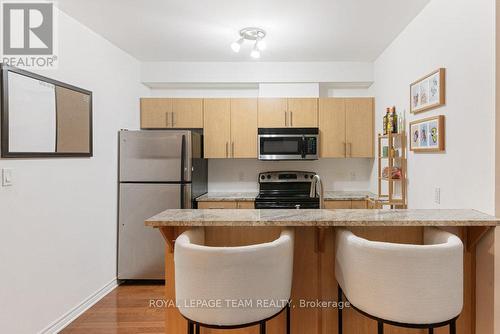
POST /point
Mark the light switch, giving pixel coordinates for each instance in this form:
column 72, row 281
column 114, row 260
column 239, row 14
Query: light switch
column 437, row 195
column 6, row 177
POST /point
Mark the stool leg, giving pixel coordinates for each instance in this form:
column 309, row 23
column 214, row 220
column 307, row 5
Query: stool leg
column 190, row 327
column 262, row 327
column 287, row 318
column 380, row 327
column 197, row 329
column 339, row 309
column 453, row 327
column 431, row 330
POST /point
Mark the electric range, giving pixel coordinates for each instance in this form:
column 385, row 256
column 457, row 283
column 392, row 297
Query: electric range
column 286, row 190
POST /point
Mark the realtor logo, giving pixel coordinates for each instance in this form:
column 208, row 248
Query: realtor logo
column 28, row 34
column 28, row 28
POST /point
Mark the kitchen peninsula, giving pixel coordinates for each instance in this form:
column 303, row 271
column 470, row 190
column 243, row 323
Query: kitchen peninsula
column 314, row 273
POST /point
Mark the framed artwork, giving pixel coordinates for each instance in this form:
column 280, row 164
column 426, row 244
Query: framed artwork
column 427, row 135
column 429, row 92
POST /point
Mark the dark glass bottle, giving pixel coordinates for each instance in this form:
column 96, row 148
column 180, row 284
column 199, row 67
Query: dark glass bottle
column 386, row 120
column 394, row 122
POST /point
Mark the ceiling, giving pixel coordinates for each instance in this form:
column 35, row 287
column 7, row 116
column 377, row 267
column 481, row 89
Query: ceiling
column 202, row 30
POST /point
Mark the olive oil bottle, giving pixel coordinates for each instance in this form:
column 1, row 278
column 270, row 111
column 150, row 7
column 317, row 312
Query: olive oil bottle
column 386, row 120
column 394, row 120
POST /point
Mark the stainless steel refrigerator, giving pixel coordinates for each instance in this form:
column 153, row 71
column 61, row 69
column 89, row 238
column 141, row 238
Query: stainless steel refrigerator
column 158, row 170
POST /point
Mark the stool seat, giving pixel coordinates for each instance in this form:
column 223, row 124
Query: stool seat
column 408, row 284
column 258, row 275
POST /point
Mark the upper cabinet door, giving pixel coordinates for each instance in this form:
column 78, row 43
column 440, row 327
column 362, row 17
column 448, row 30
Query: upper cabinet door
column 217, row 127
column 243, row 128
column 360, row 127
column 332, row 128
column 273, row 113
column 155, row 113
column 187, row 113
column 303, row 113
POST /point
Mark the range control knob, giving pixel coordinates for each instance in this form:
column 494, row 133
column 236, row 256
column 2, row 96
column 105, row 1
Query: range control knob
column 306, row 176
column 268, row 176
column 262, row 177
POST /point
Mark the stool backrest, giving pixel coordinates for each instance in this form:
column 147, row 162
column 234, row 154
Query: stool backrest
column 228, row 286
column 415, row 284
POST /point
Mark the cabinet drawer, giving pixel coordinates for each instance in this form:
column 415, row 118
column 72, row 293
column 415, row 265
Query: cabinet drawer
column 226, row 205
column 218, row 205
column 359, row 204
column 338, row 204
column 246, row 205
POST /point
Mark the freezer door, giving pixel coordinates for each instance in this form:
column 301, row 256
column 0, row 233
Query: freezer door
column 155, row 156
column 141, row 249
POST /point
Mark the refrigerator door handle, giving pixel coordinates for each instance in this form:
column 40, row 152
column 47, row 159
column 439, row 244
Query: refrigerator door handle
column 183, row 158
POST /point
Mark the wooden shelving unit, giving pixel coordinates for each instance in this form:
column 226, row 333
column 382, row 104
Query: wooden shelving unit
column 387, row 195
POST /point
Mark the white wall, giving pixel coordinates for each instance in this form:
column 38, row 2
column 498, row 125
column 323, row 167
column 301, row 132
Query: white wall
column 255, row 72
column 58, row 220
column 242, row 174
column 457, row 35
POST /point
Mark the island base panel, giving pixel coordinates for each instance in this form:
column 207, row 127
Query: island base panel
column 314, row 279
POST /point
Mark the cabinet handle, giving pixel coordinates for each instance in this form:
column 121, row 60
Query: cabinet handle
column 291, row 118
column 227, row 154
column 286, row 123
column 345, row 149
column 232, row 149
column 350, row 150
column 167, row 114
column 173, row 123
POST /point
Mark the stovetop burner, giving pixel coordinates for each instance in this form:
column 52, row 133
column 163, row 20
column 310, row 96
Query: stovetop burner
column 286, row 190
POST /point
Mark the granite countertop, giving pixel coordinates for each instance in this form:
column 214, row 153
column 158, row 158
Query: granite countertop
column 338, row 195
column 331, row 195
column 227, row 196
column 317, row 217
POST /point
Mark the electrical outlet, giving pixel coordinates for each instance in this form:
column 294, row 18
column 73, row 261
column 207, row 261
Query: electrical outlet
column 437, row 195
column 352, row 176
column 6, row 177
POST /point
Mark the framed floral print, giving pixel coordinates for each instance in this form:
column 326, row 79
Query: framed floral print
column 427, row 135
column 429, row 92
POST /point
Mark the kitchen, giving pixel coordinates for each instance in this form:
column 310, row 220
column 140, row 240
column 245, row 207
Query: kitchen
column 302, row 127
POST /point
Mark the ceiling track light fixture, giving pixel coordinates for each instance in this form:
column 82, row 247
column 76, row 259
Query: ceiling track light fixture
column 251, row 34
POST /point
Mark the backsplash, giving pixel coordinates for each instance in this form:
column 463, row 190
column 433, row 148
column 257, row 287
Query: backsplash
column 242, row 174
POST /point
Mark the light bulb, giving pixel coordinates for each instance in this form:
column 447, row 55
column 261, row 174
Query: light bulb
column 236, row 46
column 261, row 45
column 255, row 52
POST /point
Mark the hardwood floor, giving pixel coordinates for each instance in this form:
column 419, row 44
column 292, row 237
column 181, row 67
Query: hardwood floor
column 125, row 310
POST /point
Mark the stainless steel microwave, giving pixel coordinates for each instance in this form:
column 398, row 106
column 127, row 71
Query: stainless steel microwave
column 288, row 143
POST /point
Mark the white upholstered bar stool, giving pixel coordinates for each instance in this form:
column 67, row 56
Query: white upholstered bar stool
column 413, row 286
column 214, row 277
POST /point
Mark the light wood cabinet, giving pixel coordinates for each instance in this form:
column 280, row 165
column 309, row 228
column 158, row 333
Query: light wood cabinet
column 230, row 128
column 337, row 205
column 346, row 127
column 283, row 112
column 166, row 113
column 243, row 128
column 273, row 113
column 155, row 113
column 357, row 204
column 360, row 127
column 217, row 127
column 226, row 205
column 303, row 113
column 332, row 128
column 187, row 113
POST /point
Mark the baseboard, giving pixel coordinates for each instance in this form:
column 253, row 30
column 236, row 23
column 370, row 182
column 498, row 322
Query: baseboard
column 71, row 315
